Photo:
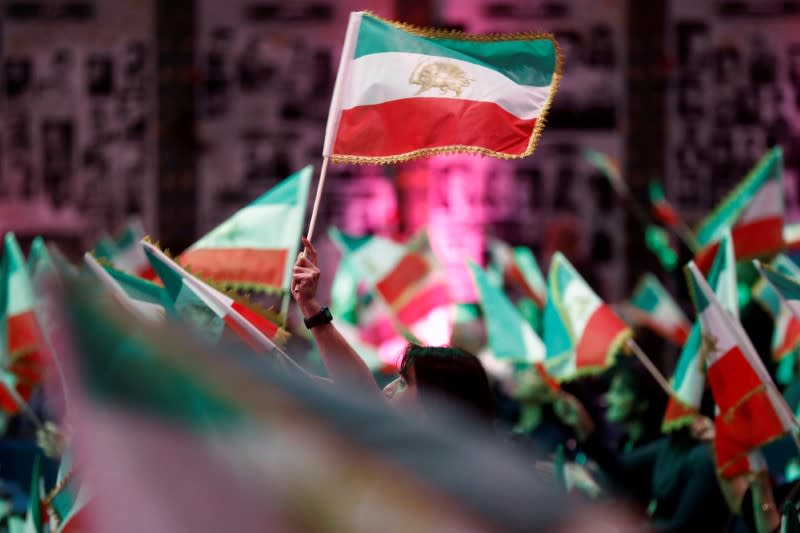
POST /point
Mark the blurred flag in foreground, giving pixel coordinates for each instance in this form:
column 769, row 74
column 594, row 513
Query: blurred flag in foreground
column 24, row 351
column 404, row 92
column 177, row 438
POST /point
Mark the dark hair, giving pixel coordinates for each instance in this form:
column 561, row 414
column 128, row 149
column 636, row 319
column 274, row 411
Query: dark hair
column 450, row 372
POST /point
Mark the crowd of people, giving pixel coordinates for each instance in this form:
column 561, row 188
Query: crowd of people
column 608, row 427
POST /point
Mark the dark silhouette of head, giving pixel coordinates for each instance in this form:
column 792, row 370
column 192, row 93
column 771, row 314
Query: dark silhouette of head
column 451, row 373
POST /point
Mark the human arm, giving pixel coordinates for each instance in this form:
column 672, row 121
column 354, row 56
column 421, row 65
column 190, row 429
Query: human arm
column 343, row 363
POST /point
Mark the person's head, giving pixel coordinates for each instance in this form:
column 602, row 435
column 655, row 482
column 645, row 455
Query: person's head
column 633, row 396
column 428, row 374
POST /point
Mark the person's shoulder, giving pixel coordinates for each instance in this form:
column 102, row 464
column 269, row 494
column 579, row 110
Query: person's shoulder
column 701, row 456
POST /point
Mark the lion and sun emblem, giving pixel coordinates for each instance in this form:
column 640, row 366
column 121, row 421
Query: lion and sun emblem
column 443, row 75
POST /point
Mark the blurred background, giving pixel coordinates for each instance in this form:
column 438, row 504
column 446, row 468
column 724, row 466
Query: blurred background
column 181, row 111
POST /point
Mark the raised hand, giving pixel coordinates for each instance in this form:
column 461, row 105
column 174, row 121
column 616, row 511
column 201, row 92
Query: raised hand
column 305, row 276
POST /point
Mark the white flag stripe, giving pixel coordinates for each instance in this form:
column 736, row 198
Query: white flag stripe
column 768, row 201
column 384, row 77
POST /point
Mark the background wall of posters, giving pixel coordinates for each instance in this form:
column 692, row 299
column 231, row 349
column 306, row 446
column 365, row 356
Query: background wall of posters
column 736, row 92
column 77, row 147
column 554, row 199
column 268, row 70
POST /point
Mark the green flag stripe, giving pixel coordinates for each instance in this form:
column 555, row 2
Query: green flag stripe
column 531, row 61
column 789, row 288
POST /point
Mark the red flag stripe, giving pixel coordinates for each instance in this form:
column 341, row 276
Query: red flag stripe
column 384, row 129
column 412, row 268
column 762, row 237
column 425, row 301
column 262, row 324
column 732, row 378
column 23, row 332
column 666, row 214
column 751, row 423
column 677, row 412
column 249, row 266
column 243, row 334
column 602, row 330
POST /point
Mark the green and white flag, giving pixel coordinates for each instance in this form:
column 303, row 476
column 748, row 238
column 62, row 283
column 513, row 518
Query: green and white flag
column 404, row 92
column 651, row 305
column 510, row 335
column 256, row 247
column 786, row 333
column 753, row 212
column 582, row 333
column 518, row 267
column 689, row 380
column 751, row 411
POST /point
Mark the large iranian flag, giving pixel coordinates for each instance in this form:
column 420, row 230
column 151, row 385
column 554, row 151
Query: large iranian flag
column 581, row 332
column 751, row 411
column 404, row 92
column 689, row 380
column 753, row 211
column 255, row 248
column 651, row 305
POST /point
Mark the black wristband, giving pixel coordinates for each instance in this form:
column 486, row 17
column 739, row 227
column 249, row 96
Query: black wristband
column 324, row 316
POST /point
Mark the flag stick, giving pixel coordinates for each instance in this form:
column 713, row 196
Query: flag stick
column 320, row 184
column 687, row 236
column 648, row 364
column 285, row 308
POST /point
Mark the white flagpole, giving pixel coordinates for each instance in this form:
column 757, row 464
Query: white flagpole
column 318, row 198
